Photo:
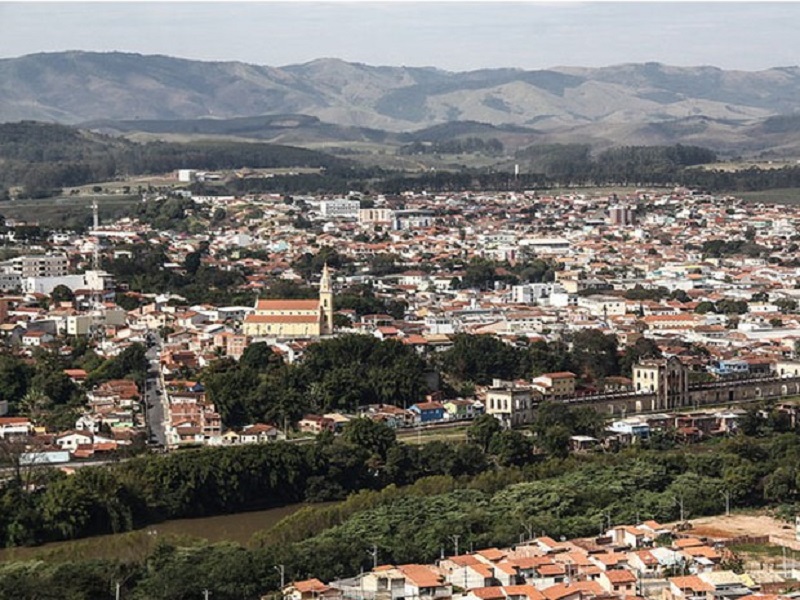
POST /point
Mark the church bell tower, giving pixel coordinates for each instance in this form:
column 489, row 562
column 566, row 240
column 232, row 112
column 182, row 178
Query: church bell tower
column 326, row 301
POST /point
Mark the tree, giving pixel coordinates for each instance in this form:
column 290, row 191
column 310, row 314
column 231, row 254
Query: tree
column 62, row 293
column 555, row 441
column 482, row 430
column 259, row 356
column 705, row 307
column 595, row 354
column 511, row 448
column 548, row 357
column 481, row 358
column 731, row 307
column 641, row 348
column 371, row 435
column 192, row 262
column 786, row 305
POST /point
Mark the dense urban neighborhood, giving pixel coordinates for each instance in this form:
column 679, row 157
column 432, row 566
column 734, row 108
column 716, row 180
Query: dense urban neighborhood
column 650, row 302
column 207, row 354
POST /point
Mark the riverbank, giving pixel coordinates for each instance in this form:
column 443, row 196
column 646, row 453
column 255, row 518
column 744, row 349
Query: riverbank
column 137, row 545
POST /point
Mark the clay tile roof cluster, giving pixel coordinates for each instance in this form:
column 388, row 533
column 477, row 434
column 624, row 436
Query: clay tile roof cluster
column 310, row 585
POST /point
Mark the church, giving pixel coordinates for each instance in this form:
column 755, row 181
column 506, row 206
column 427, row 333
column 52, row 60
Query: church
column 294, row 318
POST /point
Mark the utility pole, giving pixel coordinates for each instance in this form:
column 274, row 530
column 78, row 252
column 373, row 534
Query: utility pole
column 206, row 594
column 455, row 537
column 727, row 495
column 679, row 500
column 529, row 531
column 374, row 554
column 116, row 591
column 282, row 570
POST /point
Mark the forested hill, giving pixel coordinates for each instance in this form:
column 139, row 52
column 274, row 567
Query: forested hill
column 40, row 157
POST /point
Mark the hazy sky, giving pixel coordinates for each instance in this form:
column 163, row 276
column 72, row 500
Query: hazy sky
column 451, row 35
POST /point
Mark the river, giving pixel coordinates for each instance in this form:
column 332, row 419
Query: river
column 137, row 544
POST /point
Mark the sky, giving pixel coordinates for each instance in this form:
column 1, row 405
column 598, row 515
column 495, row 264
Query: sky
column 453, row 35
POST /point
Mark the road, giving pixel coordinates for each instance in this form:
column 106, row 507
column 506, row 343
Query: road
column 154, row 395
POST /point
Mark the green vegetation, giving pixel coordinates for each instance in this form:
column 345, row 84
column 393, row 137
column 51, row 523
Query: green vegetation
column 40, row 159
column 46, row 395
column 145, row 271
column 43, row 158
column 492, row 147
column 337, row 374
column 409, row 505
column 591, row 355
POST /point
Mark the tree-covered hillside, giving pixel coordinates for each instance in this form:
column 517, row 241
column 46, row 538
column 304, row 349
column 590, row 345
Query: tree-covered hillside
column 42, row 157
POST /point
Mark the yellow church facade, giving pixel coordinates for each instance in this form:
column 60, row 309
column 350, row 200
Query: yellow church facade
column 293, row 318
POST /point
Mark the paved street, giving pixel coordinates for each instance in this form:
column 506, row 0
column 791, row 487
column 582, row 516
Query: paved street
column 155, row 398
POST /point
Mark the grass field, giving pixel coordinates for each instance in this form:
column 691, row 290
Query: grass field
column 778, row 196
column 66, row 211
column 412, row 436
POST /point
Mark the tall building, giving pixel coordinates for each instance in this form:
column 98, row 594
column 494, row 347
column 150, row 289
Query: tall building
column 39, row 265
column 620, row 214
column 294, row 318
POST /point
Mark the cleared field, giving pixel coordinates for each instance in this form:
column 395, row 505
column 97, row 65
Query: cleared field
column 777, row 196
column 737, row 525
column 70, row 210
column 733, row 166
column 412, row 436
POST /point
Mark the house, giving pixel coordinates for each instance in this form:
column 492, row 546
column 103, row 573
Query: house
column 467, row 572
column 689, row 587
column 428, row 412
column 391, row 415
column 72, row 439
column 315, row 424
column 259, row 434
column 36, row 339
column 630, row 429
column 625, row 535
column 425, row 583
column 310, row 589
column 461, row 408
column 575, row 590
column 654, row 527
column 556, row 385
column 230, row 438
column 510, row 403
column 547, row 574
column 645, row 562
column 11, row 427
column 583, row 443
column 504, row 592
column 618, row 582
column 609, row 560
column 76, row 375
column 385, row 581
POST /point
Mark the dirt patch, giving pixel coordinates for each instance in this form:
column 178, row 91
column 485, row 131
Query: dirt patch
column 722, row 527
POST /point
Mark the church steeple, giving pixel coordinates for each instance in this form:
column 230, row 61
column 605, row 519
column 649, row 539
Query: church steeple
column 326, row 301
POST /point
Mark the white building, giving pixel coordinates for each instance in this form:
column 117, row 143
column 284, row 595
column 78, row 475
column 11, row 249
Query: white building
column 600, row 306
column 340, row 208
column 38, row 265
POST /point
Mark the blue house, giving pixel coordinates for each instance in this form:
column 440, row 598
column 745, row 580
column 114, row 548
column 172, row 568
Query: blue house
column 428, row 412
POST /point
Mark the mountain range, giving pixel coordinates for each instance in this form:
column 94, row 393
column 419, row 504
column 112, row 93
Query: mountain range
column 334, row 100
